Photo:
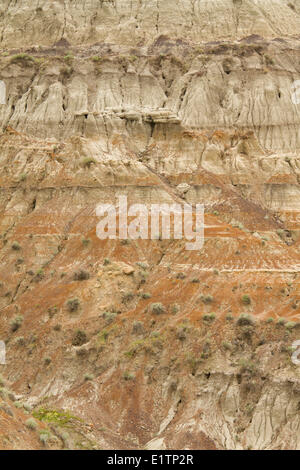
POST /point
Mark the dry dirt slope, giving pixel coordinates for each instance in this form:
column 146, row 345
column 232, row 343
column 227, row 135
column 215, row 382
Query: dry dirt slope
column 161, row 101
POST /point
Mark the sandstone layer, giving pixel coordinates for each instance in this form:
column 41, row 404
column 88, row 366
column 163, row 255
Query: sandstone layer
column 162, row 101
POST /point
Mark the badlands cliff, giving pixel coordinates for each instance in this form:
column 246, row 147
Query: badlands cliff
column 162, row 101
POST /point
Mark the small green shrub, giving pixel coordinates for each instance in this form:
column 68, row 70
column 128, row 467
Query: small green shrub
column 16, row 246
column 109, row 317
column 103, row 335
column 88, row 377
column 52, row 311
column 85, row 241
column 175, row 309
column 247, row 366
column 245, row 319
column 3, row 393
column 137, row 328
column 96, row 58
column 207, row 299
column 66, row 71
column 18, row 404
column 20, row 341
column 87, row 162
column 27, row 407
column 180, row 276
column 290, row 325
column 65, row 436
column 23, row 58
column 31, row 424
column 128, row 376
column 57, row 417
column 209, row 317
column 229, row 317
column 44, row 436
column 127, row 297
column 79, row 338
column 146, row 295
column 73, row 305
column 39, row 275
column 16, row 322
column 269, row 60
column 81, row 275
column 246, row 299
column 157, row 308
column 125, row 242
column 181, row 333
column 142, row 265
column 155, row 334
column 11, row 396
column 69, row 58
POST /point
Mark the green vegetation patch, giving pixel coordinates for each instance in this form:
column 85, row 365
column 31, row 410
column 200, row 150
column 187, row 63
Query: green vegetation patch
column 58, row 417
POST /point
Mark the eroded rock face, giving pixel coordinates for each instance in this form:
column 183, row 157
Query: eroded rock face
column 162, row 101
column 130, row 23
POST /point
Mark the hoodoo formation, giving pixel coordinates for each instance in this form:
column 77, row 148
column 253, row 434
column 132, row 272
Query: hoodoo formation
column 139, row 343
